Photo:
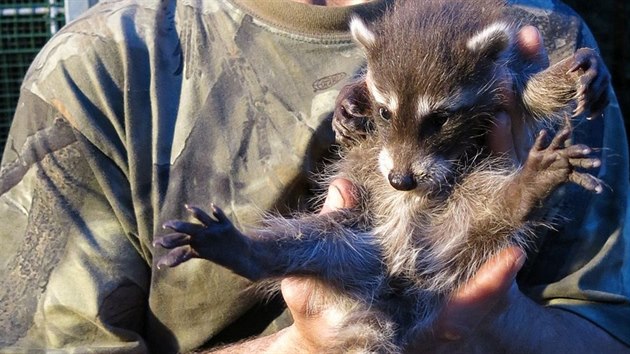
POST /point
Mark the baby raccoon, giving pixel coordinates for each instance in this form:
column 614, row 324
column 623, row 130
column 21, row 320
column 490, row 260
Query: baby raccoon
column 434, row 203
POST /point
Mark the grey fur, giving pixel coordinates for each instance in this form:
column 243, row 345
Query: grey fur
column 390, row 264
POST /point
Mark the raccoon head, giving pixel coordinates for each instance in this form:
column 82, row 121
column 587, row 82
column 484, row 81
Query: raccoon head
column 432, row 105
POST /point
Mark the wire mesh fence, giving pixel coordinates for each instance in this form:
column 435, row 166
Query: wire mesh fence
column 24, row 28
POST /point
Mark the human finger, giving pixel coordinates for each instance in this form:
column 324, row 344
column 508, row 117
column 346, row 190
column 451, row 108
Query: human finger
column 500, row 139
column 297, row 292
column 480, row 294
column 341, row 194
column 529, row 43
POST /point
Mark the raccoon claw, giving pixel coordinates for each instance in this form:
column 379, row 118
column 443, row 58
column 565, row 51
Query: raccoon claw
column 212, row 237
column 348, row 128
column 204, row 218
column 593, row 80
column 351, row 119
column 172, row 240
column 549, row 165
column 176, row 257
column 587, row 181
column 597, row 109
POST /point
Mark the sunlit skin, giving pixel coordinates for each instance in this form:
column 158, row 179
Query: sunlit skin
column 489, row 306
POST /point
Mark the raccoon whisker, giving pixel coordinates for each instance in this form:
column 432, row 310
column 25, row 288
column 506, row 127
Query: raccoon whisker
column 396, row 257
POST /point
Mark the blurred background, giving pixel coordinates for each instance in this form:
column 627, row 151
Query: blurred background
column 609, row 20
column 25, row 26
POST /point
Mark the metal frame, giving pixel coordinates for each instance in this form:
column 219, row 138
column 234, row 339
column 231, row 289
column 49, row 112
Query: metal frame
column 54, row 8
column 25, row 26
column 74, row 8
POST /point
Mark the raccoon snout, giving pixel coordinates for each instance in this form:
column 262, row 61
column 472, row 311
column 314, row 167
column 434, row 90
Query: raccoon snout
column 402, row 181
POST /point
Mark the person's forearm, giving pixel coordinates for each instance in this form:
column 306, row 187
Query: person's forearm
column 526, row 327
column 254, row 345
column 278, row 343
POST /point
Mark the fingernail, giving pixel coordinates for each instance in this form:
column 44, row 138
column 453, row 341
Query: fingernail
column 518, row 262
column 334, row 199
column 167, row 225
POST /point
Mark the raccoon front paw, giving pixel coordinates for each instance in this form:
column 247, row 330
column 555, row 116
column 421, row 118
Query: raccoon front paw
column 548, row 166
column 352, row 117
column 593, row 80
column 214, row 238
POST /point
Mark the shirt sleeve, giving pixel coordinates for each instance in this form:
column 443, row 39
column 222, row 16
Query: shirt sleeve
column 584, row 266
column 69, row 276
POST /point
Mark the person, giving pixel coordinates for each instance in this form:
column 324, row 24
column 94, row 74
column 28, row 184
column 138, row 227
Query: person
column 139, row 107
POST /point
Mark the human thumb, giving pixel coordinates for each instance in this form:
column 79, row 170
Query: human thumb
column 341, row 194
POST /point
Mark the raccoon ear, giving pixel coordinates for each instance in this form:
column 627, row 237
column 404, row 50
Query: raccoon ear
column 492, row 41
column 361, row 33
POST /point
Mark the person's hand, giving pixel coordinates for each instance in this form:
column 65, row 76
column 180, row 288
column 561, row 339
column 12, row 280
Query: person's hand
column 488, row 292
column 485, row 294
column 476, row 303
column 509, row 135
column 314, row 325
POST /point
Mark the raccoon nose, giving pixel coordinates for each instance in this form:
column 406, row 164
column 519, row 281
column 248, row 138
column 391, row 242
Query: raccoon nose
column 402, row 181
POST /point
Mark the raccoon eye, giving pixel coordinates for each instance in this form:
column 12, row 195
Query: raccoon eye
column 434, row 123
column 385, row 113
column 440, row 118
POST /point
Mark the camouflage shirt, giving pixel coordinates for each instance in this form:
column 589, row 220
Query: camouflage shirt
column 141, row 106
